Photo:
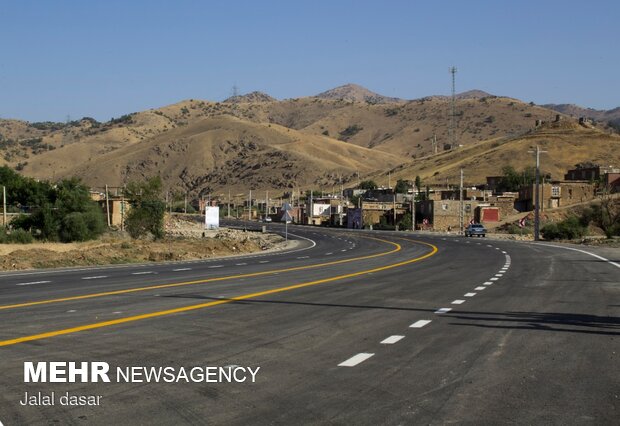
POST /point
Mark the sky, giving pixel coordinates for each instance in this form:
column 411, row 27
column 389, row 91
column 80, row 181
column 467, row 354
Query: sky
column 102, row 59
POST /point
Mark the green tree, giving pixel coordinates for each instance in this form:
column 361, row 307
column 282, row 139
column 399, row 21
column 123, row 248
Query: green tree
column 512, row 180
column 401, row 186
column 146, row 215
column 368, row 185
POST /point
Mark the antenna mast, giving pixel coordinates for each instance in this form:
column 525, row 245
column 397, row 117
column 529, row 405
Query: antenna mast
column 452, row 130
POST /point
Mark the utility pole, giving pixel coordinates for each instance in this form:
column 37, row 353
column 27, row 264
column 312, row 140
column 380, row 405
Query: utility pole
column 250, row 206
column 341, row 202
column 537, row 194
column 394, row 208
column 266, row 204
column 4, row 206
column 413, row 205
column 461, row 207
column 107, row 206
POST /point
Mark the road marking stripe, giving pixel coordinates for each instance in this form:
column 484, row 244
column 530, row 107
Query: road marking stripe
column 182, row 269
column 499, row 275
column 220, row 302
column 354, row 360
column 216, row 266
column 240, row 264
column 494, row 279
column 263, row 261
column 142, row 273
column 458, row 302
column 215, row 279
column 420, row 323
column 329, row 254
column 34, row 282
column 479, row 288
column 616, row 264
column 303, row 257
column 95, row 277
column 487, row 283
column 392, row 339
column 443, row 310
column 471, row 294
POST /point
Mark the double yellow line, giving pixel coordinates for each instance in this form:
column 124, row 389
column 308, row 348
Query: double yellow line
column 214, row 303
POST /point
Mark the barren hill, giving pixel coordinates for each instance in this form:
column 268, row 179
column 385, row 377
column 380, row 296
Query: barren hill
column 611, row 116
column 216, row 153
column 356, row 93
column 201, row 146
column 252, row 97
column 566, row 144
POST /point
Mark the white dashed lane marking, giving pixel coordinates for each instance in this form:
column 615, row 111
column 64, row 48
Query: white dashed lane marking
column 240, row 264
column 354, row 360
column 458, row 302
column 263, row 261
column 142, row 273
column 420, row 323
column 329, row 254
column 479, row 288
column 494, row 279
column 392, row 339
column 443, row 310
column 470, row 294
column 303, row 257
column 216, row 266
column 95, row 277
column 182, row 269
column 34, row 282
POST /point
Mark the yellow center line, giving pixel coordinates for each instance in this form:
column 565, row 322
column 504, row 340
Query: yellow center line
column 214, row 303
column 203, row 281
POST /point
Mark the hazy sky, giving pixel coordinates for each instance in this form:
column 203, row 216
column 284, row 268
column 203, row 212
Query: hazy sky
column 106, row 58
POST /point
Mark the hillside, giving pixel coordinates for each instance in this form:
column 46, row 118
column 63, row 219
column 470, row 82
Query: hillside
column 216, row 153
column 254, row 140
column 356, row 93
column 566, row 144
column 607, row 116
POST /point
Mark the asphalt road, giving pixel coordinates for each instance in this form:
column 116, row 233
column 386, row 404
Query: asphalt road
column 347, row 328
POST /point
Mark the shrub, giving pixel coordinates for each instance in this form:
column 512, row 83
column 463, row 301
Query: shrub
column 568, row 229
column 73, row 228
column 18, row 236
column 147, row 209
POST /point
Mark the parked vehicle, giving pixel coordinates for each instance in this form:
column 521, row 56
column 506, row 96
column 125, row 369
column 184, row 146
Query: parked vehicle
column 475, row 229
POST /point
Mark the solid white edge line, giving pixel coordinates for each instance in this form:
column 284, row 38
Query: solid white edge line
column 355, row 360
column 617, row 265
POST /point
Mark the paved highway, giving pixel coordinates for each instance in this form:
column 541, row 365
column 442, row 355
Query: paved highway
column 346, row 327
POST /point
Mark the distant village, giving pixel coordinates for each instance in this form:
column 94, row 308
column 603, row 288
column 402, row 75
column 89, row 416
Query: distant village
column 376, row 207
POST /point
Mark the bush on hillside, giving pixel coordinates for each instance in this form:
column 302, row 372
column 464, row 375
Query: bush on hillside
column 568, row 229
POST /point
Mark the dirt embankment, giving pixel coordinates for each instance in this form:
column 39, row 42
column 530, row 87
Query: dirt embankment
column 117, row 249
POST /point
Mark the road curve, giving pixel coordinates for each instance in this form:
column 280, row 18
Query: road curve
column 354, row 327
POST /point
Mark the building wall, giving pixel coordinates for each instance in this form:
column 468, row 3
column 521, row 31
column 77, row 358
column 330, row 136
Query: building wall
column 444, row 215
